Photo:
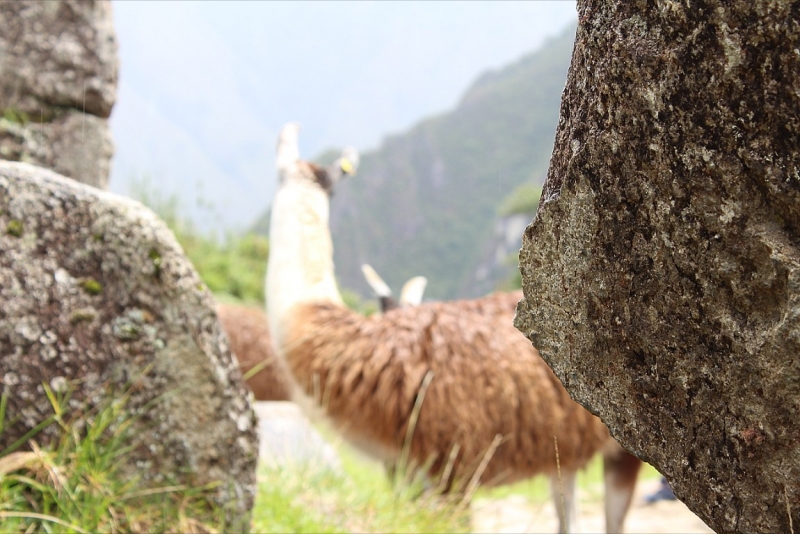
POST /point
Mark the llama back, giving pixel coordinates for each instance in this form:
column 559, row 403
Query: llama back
column 487, row 380
column 248, row 332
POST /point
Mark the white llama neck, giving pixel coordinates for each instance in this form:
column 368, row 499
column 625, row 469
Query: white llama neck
column 300, row 266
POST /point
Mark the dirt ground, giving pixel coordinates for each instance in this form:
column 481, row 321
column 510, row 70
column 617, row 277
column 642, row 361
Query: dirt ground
column 517, row 514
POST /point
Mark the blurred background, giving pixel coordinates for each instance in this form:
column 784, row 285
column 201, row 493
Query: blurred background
column 453, row 106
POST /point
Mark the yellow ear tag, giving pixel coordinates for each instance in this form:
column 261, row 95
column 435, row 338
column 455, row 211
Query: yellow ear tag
column 346, row 166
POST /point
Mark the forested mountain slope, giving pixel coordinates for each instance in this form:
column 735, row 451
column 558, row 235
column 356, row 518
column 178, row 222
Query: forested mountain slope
column 426, row 201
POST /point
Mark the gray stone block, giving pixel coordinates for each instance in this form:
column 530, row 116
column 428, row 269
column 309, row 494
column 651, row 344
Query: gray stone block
column 94, row 291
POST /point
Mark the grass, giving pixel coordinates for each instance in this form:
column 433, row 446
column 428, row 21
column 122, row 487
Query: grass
column 537, row 489
column 75, row 484
column 359, row 498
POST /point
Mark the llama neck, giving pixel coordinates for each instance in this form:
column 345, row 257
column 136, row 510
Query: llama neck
column 300, row 266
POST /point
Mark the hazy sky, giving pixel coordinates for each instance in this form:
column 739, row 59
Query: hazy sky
column 205, row 86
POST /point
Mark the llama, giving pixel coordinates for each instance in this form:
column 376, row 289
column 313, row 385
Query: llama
column 410, row 295
column 247, row 329
column 248, row 333
column 452, row 385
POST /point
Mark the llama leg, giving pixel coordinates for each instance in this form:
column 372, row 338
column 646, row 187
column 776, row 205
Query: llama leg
column 563, row 490
column 620, row 469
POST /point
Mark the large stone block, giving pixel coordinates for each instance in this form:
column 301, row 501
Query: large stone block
column 662, row 271
column 58, row 83
column 95, row 290
column 58, row 54
column 75, row 144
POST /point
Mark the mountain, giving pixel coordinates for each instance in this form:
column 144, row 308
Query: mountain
column 205, row 86
column 426, row 201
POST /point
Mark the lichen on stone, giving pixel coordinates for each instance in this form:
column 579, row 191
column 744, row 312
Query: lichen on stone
column 82, row 315
column 155, row 257
column 92, row 286
column 15, row 228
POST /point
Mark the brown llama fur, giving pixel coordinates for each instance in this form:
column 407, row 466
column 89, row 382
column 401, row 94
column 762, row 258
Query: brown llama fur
column 490, row 391
column 248, row 332
column 366, row 374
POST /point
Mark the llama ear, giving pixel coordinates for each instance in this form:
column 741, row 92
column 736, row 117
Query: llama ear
column 412, row 292
column 349, row 161
column 375, row 281
column 346, row 166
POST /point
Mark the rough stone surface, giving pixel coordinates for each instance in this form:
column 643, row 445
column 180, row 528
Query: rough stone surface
column 58, row 77
column 74, row 144
column 96, row 293
column 662, row 271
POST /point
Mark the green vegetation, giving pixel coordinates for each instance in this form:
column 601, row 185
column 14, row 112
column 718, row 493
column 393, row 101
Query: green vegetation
column 75, row 484
column 92, row 286
column 309, row 498
column 354, row 301
column 14, row 228
column 514, row 281
column 425, row 202
column 524, row 200
column 233, row 267
column 16, row 116
column 81, row 315
column 537, row 489
column 155, row 257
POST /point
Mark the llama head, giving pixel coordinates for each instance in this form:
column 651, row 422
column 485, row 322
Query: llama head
column 346, row 165
column 291, row 169
column 348, row 161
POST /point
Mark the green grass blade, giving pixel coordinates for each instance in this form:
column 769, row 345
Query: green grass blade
column 42, row 517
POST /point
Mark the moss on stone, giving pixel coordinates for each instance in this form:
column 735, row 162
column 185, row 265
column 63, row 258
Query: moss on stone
column 16, row 116
column 82, row 315
column 92, row 286
column 155, row 257
column 127, row 331
column 15, row 228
